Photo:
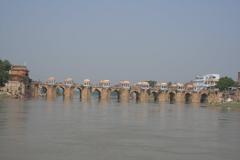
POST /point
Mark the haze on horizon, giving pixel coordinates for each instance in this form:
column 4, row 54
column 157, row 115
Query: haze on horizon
column 134, row 40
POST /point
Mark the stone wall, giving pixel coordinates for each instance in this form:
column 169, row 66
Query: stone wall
column 15, row 88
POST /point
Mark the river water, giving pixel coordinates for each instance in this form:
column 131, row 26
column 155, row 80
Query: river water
column 38, row 129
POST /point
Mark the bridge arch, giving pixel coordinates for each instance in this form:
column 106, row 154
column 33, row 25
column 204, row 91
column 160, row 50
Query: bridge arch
column 77, row 91
column 188, row 97
column 60, row 91
column 155, row 95
column 204, row 98
column 115, row 94
column 96, row 93
column 42, row 90
column 135, row 95
column 172, row 97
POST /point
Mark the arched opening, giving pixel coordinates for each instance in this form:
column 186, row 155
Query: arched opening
column 96, row 94
column 188, row 98
column 154, row 96
column 172, row 98
column 43, row 91
column 60, row 91
column 77, row 93
column 115, row 95
column 134, row 96
column 204, row 98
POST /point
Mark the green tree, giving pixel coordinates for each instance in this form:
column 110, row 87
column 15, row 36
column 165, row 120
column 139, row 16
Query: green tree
column 5, row 66
column 224, row 83
column 152, row 83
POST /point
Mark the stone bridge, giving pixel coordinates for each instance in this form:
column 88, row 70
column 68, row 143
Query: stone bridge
column 124, row 93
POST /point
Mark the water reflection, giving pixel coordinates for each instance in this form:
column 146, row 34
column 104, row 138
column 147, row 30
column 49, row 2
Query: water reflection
column 69, row 129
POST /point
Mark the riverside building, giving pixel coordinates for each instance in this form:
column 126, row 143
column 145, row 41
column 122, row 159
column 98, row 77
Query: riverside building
column 205, row 81
column 104, row 83
column 143, row 85
column 162, row 85
column 19, row 81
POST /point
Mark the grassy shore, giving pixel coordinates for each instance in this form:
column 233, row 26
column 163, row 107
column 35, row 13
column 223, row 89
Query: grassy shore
column 234, row 105
column 4, row 95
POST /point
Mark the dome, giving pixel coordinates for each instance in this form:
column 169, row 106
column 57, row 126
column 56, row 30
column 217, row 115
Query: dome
column 104, row 81
column 51, row 79
column 86, row 80
column 180, row 84
column 125, row 82
column 174, row 85
column 143, row 83
column 68, row 79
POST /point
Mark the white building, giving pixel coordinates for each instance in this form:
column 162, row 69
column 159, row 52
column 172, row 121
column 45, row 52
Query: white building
column 180, row 87
column 143, row 85
column 163, row 86
column 125, row 84
column 51, row 81
column 206, row 81
column 86, row 83
column 68, row 82
column 104, row 83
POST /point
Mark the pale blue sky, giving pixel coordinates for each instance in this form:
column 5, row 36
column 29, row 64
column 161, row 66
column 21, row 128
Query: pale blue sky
column 167, row 40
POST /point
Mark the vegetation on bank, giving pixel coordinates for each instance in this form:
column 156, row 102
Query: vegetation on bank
column 225, row 82
column 228, row 105
column 5, row 66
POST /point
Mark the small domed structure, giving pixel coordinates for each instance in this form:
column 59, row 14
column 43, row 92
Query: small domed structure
column 104, row 83
column 51, row 78
column 68, row 81
column 51, row 81
column 86, row 83
column 125, row 84
column 189, row 86
column 163, row 86
column 143, row 85
column 180, row 87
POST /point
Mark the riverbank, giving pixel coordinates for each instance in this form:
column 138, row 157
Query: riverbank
column 227, row 105
column 231, row 104
column 4, row 94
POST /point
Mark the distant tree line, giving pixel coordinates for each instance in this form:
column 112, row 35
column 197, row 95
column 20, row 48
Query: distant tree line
column 5, row 66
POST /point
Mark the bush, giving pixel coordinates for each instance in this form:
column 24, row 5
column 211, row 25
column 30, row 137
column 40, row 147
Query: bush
column 5, row 66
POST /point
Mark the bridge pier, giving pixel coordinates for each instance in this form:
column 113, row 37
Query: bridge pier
column 143, row 96
column 196, row 98
column 85, row 94
column 35, row 90
column 180, row 97
column 68, row 92
column 105, row 94
column 163, row 97
column 51, row 92
column 124, row 95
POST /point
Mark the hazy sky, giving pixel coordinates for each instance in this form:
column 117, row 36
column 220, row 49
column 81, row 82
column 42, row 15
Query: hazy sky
column 167, row 40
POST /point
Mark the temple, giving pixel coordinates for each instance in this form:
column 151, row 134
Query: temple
column 19, row 81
